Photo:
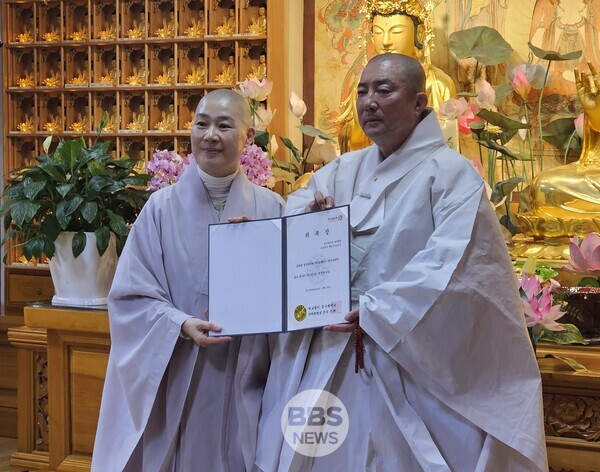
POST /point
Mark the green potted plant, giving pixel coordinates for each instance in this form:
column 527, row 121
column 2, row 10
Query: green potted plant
column 75, row 205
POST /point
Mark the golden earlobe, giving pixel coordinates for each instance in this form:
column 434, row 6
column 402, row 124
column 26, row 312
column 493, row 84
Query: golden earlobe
column 421, row 33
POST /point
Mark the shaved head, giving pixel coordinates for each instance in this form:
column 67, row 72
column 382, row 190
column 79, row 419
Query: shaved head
column 409, row 70
column 231, row 100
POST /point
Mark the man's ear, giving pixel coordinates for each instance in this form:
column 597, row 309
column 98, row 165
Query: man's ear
column 250, row 136
column 421, row 102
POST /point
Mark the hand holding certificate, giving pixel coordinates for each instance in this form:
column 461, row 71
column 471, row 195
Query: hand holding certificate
column 282, row 274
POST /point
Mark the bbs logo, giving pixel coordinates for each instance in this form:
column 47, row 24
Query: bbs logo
column 315, row 423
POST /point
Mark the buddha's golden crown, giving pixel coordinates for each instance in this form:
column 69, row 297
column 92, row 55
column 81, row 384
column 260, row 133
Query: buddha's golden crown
column 370, row 8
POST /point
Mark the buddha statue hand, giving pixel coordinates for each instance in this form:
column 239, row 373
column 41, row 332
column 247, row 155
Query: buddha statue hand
column 588, row 90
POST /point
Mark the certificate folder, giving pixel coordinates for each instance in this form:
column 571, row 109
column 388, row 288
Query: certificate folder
column 281, row 274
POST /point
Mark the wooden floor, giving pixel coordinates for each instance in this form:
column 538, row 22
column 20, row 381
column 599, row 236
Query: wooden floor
column 7, row 447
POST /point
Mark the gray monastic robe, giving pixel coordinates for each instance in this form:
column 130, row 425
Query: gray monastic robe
column 450, row 379
column 167, row 404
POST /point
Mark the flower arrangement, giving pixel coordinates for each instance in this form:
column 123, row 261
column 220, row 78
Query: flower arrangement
column 543, row 305
column 256, row 164
column 165, row 168
column 584, row 258
column 508, row 168
column 292, row 172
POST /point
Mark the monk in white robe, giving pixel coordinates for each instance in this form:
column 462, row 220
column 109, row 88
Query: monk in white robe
column 168, row 404
column 450, row 381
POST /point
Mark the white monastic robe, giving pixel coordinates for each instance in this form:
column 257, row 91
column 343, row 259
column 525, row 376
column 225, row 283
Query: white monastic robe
column 450, row 379
column 168, row 404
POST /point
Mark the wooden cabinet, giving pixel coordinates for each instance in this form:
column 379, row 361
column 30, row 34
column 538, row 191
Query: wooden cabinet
column 146, row 63
column 62, row 355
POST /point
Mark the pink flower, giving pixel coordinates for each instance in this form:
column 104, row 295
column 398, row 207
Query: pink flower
column 165, row 168
column 579, row 125
column 453, row 108
column 520, row 83
column 467, row 118
column 539, row 310
column 255, row 89
column 256, row 164
column 585, row 258
column 486, row 97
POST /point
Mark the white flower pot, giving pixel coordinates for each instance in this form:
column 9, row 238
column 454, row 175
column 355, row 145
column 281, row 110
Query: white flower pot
column 85, row 280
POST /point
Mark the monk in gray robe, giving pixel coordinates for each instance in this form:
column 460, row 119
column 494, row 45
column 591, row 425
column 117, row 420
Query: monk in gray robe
column 450, row 381
column 169, row 403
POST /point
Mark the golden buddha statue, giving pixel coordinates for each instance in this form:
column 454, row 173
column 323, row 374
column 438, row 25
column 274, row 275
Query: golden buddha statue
column 573, row 190
column 197, row 26
column 258, row 24
column 25, row 37
column 80, row 34
column 228, row 25
column 52, row 81
column 138, row 31
column 111, row 124
column 81, row 78
column 188, row 125
column 167, row 30
column 168, row 74
column 259, row 71
column 197, row 74
column 81, row 124
column 227, row 74
column 26, row 126
column 138, row 119
column 167, row 121
column 138, row 77
column 26, row 82
column 108, row 33
column 396, row 26
column 54, row 125
column 51, row 36
column 109, row 76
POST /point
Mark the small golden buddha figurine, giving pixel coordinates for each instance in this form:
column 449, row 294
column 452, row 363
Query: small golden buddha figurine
column 259, row 71
column 79, row 35
column 228, row 72
column 228, row 25
column 109, row 77
column 54, row 125
column 81, row 78
column 397, row 26
column 138, row 119
column 258, row 25
column 168, row 74
column 25, row 37
column 52, row 81
column 26, row 126
column 138, row 77
column 197, row 75
column 167, row 120
column 111, row 125
column 197, row 27
column 108, row 33
column 573, row 190
column 188, row 125
column 26, row 82
column 81, row 124
column 167, row 30
column 51, row 36
column 138, row 31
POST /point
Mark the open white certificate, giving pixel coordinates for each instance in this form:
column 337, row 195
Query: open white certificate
column 281, row 274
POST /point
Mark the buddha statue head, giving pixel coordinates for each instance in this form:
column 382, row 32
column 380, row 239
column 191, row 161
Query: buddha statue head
column 397, row 26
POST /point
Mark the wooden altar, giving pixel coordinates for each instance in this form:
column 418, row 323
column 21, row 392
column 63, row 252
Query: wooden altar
column 62, row 355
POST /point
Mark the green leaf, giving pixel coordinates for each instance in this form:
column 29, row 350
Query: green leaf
column 262, row 139
column 553, row 55
column 46, row 144
column 23, row 211
column 508, row 223
column 558, row 132
column 102, row 239
column 589, row 282
column 117, row 223
column 64, row 189
column 572, row 363
column 36, row 246
column 502, row 91
column 504, row 188
column 283, row 175
column 89, row 210
column 8, row 236
column 79, row 242
column 309, row 130
column 504, row 122
column 31, row 189
column 282, row 165
column 288, row 144
column 501, row 149
column 571, row 335
column 65, row 208
column 68, row 152
column 50, row 228
column 137, row 180
column 483, row 43
column 102, row 124
column 49, row 248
